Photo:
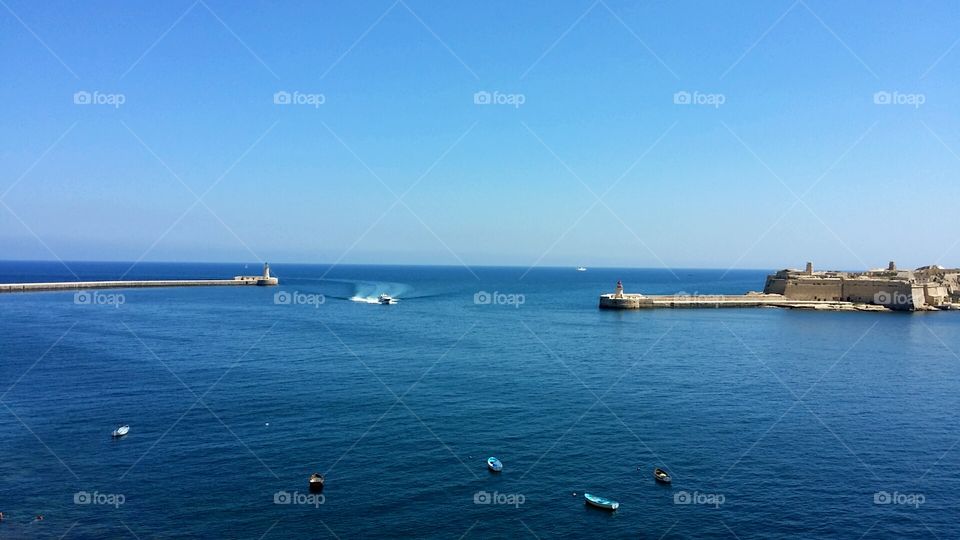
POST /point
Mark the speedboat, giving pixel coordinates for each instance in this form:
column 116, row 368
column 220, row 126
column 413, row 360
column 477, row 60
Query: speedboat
column 121, row 431
column 386, row 299
column 581, row 269
column 661, row 476
column 494, row 464
column 316, row 482
column 601, row 502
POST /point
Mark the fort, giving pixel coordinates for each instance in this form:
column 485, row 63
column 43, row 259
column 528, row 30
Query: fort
column 264, row 279
column 929, row 288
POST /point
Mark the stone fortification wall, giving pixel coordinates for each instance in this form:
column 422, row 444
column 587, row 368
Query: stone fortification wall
column 893, row 294
column 776, row 284
column 813, row 289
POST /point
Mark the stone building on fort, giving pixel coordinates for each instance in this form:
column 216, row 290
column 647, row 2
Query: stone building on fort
column 924, row 288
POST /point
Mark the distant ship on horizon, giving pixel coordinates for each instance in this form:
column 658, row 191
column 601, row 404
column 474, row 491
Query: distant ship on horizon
column 581, row 269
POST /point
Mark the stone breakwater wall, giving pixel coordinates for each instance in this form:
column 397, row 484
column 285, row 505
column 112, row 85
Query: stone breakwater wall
column 82, row 285
column 639, row 301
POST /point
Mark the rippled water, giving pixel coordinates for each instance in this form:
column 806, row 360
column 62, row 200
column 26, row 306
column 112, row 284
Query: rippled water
column 774, row 423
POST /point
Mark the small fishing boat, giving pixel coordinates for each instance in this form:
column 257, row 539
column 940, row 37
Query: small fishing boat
column 662, row 476
column 316, row 482
column 601, row 502
column 121, row 431
column 386, row 299
column 494, row 464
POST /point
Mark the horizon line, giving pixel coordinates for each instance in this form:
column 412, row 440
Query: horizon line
column 412, row 265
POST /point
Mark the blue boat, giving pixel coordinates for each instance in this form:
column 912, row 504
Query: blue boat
column 600, row 502
column 494, row 464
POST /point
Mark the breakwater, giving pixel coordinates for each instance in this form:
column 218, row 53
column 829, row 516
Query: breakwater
column 264, row 279
column 640, row 301
column 81, row 285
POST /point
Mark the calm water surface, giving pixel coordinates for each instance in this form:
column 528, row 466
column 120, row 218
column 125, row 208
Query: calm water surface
column 774, row 423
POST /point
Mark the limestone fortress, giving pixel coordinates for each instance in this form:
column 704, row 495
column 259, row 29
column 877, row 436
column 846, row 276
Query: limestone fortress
column 930, row 288
column 923, row 288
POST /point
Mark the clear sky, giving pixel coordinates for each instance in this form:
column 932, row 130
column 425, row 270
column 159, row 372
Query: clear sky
column 587, row 154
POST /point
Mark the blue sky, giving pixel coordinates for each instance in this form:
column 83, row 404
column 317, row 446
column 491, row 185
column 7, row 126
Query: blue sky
column 786, row 158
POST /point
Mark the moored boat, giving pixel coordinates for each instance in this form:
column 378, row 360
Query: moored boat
column 662, row 476
column 120, row 431
column 601, row 502
column 316, row 482
column 494, row 464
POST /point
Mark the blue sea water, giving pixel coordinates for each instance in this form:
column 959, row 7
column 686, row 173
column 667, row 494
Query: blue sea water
column 774, row 423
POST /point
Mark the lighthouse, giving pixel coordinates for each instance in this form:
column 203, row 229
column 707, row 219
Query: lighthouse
column 266, row 278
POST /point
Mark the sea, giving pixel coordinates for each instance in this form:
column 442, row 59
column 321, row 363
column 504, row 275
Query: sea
column 773, row 423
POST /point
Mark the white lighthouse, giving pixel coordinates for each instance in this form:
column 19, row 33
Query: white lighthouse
column 266, row 278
